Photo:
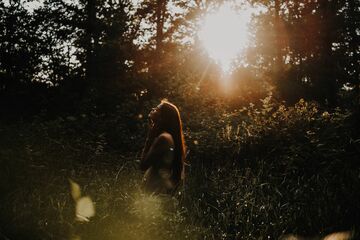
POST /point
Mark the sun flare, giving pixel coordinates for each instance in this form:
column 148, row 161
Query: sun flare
column 224, row 34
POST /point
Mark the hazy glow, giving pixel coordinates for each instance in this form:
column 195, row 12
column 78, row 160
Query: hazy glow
column 224, row 34
column 147, row 207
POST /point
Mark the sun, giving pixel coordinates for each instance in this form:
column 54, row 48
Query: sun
column 224, row 34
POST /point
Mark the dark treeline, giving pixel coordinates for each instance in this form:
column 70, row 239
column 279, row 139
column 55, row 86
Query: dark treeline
column 63, row 54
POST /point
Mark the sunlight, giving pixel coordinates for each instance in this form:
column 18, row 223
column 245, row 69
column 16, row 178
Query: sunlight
column 224, row 34
column 147, row 207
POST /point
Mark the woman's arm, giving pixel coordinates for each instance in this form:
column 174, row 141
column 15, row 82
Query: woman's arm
column 151, row 135
column 155, row 151
column 147, row 146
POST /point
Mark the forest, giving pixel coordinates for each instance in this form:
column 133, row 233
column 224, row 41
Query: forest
column 269, row 96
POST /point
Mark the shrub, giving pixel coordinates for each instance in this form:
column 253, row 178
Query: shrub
column 292, row 169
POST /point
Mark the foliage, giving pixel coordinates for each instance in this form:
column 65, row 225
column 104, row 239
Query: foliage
column 292, row 166
column 258, row 171
column 93, row 49
column 18, row 60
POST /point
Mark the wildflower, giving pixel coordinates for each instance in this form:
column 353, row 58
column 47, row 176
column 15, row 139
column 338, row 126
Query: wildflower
column 326, row 114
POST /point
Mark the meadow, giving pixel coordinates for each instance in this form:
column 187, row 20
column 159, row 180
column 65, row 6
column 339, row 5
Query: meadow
column 256, row 172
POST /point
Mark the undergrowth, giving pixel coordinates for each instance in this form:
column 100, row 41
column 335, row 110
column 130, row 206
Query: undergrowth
column 256, row 172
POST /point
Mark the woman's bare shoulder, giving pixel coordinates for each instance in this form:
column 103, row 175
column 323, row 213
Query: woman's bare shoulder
column 166, row 138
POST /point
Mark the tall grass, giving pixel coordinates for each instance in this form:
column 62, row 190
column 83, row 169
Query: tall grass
column 258, row 172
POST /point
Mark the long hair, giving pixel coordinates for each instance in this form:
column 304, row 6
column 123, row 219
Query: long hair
column 171, row 123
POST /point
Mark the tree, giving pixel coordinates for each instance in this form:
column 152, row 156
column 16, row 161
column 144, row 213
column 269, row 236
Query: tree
column 311, row 39
column 19, row 46
column 92, row 41
column 163, row 23
column 348, row 50
column 115, row 50
column 57, row 32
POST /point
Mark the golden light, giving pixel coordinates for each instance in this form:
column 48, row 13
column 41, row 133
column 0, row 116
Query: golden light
column 224, row 34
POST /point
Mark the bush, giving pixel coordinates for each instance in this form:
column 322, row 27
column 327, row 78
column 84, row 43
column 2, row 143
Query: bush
column 292, row 170
column 255, row 172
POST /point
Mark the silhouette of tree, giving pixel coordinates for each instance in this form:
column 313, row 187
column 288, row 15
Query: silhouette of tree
column 19, row 46
column 312, row 39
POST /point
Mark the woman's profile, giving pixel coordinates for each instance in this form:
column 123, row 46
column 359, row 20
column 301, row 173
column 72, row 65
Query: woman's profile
column 164, row 151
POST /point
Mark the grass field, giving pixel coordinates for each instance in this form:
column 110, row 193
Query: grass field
column 302, row 180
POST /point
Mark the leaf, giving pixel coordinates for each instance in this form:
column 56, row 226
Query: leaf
column 84, row 209
column 75, row 190
column 339, row 236
column 71, row 118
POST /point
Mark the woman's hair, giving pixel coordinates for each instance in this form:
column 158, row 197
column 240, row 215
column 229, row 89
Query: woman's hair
column 171, row 123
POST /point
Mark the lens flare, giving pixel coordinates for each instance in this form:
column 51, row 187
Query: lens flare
column 224, row 34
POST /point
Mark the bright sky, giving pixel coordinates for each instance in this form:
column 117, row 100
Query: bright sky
column 224, row 33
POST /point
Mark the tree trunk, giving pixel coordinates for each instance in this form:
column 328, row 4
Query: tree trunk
column 353, row 47
column 327, row 59
column 90, row 40
column 160, row 17
column 278, row 33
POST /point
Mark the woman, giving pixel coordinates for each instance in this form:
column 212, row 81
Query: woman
column 164, row 151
